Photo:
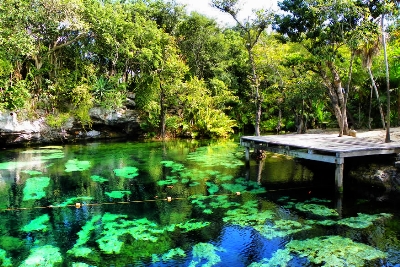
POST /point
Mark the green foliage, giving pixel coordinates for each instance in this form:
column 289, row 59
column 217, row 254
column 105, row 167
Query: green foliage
column 127, row 172
column 57, row 121
column 74, row 165
column 38, row 224
column 34, row 188
column 82, row 100
column 16, row 96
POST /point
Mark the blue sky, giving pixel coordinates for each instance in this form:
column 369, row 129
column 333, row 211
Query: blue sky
column 204, row 7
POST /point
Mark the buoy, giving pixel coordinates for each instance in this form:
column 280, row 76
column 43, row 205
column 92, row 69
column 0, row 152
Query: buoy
column 77, row 205
column 169, row 199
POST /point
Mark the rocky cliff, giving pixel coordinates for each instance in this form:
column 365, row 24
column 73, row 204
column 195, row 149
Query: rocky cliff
column 106, row 124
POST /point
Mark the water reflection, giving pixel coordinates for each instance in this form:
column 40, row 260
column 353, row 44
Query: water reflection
column 180, row 203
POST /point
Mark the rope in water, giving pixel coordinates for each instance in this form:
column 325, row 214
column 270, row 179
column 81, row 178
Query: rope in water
column 80, row 205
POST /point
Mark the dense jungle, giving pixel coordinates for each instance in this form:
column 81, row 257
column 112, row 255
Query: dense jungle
column 310, row 64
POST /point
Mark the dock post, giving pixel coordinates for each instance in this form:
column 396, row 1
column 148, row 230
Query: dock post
column 339, row 177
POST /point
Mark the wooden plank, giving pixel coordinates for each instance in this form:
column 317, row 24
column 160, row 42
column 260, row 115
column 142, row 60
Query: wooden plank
column 305, row 155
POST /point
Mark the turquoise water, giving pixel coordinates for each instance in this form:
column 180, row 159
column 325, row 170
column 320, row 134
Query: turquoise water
column 184, row 203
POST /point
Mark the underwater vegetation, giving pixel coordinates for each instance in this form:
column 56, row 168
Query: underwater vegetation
column 4, row 260
column 118, row 194
column 98, row 178
column 34, row 188
column 127, row 172
column 38, row 224
column 74, row 165
column 205, row 252
column 43, row 256
column 209, row 195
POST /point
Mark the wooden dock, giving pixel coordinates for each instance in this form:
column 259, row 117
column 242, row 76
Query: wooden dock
column 319, row 147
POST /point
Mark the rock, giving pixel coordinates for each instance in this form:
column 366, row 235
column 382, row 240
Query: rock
column 106, row 124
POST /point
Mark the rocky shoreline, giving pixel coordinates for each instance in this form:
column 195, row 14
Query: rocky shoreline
column 106, row 124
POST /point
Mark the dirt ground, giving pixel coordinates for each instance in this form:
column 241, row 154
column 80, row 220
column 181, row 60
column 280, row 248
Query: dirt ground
column 377, row 135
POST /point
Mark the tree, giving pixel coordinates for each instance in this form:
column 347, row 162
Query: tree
column 323, row 27
column 250, row 31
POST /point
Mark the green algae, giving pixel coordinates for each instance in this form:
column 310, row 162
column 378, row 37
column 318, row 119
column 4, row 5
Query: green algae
column 118, row 194
column 212, row 188
column 32, row 172
column 280, row 228
column 4, row 260
column 38, row 224
column 205, row 255
column 79, row 249
column 170, row 180
column 192, row 225
column 280, row 258
column 127, row 172
column 334, row 251
column 34, row 188
column 115, row 227
column 171, row 254
column 73, row 200
column 45, row 256
column 99, row 179
column 243, row 185
column 74, row 165
column 363, row 220
column 248, row 214
column 316, row 209
column 209, row 203
column 10, row 243
column 176, row 167
column 325, row 251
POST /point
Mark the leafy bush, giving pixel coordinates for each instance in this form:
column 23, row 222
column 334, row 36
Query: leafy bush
column 57, row 120
column 83, row 101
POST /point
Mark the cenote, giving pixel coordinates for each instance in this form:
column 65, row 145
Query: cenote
column 183, row 203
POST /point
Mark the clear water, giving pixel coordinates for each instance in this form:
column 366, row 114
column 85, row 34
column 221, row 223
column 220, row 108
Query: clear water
column 184, row 203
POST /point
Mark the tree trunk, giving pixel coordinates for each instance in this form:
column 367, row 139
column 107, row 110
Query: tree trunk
column 336, row 94
column 162, row 112
column 387, row 138
column 369, row 112
column 377, row 96
column 256, row 93
column 346, row 96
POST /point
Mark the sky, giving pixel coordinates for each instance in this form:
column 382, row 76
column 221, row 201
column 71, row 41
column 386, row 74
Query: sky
column 204, row 7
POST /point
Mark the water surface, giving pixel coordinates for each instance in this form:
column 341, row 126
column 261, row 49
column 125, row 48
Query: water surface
column 183, row 203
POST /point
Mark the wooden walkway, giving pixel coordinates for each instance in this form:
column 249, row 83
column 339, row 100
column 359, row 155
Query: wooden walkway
column 319, row 147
